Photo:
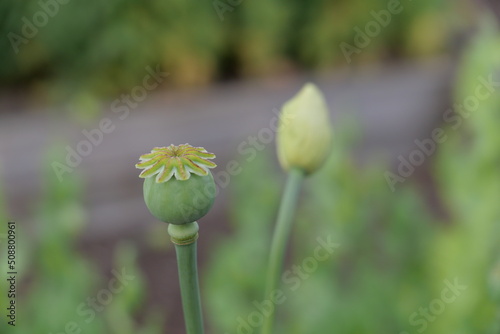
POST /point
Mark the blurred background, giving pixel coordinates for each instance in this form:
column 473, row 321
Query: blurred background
column 410, row 192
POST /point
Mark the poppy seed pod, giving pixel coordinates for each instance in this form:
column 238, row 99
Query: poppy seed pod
column 304, row 131
column 178, row 186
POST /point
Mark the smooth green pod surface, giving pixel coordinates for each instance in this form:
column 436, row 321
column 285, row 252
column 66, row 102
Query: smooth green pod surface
column 180, row 201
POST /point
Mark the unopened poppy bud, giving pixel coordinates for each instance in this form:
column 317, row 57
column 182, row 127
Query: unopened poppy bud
column 304, row 131
column 178, row 185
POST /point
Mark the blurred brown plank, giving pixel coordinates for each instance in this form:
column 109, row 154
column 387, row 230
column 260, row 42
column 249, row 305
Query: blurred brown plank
column 394, row 106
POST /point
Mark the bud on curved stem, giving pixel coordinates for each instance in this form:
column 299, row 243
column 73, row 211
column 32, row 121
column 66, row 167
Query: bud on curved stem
column 303, row 144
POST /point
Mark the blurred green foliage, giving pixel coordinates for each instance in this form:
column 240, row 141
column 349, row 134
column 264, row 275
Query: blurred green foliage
column 395, row 257
column 104, row 47
column 370, row 284
column 469, row 182
column 394, row 254
column 55, row 283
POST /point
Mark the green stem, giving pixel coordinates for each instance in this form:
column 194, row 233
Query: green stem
column 185, row 249
column 280, row 238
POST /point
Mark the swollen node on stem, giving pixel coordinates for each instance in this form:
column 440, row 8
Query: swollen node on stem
column 184, row 234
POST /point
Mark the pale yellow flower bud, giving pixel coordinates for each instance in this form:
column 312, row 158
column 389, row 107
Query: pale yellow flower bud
column 304, row 132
